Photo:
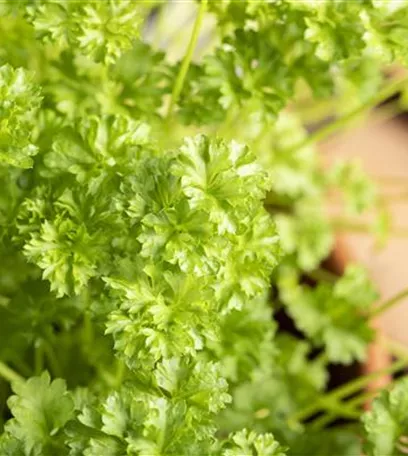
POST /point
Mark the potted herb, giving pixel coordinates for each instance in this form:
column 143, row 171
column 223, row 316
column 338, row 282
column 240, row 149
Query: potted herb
column 159, row 210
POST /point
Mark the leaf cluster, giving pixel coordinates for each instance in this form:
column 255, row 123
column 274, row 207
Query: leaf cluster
column 142, row 228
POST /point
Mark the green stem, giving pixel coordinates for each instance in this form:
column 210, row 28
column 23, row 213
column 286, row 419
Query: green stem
column 107, row 377
column 52, row 359
column 397, row 349
column 321, row 358
column 22, row 367
column 333, row 127
column 342, row 409
column 87, row 330
column 389, row 303
column 361, row 382
column 326, row 419
column 345, row 225
column 322, row 275
column 120, row 372
column 230, row 125
column 350, row 225
column 345, row 390
column 38, row 357
column 178, row 85
column 9, row 374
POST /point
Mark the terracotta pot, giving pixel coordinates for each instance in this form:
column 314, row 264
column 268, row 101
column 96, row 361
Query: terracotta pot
column 378, row 357
column 382, row 149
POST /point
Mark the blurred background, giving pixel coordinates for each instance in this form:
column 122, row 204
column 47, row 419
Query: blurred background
column 382, row 147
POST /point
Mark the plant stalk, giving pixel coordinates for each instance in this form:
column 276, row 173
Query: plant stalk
column 22, row 367
column 52, row 359
column 178, row 85
column 323, row 275
column 9, row 374
column 120, row 372
column 345, row 390
column 38, row 357
column 396, row 349
column 333, row 127
column 389, row 303
column 326, row 419
column 345, row 225
column 87, row 330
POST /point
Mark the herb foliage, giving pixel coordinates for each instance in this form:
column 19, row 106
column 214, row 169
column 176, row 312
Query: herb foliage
column 147, row 206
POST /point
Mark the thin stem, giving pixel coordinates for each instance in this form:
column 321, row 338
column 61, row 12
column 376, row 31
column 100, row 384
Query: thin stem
column 22, row 367
column 178, row 85
column 361, row 382
column 322, row 275
column 350, row 225
column 108, row 378
column 345, row 390
column 120, row 372
column 341, row 224
column 9, row 374
column 229, row 126
column 389, row 303
column 87, row 330
column 342, row 409
column 313, row 114
column 38, row 357
column 397, row 349
column 326, row 419
column 321, row 358
column 52, row 359
column 341, row 122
